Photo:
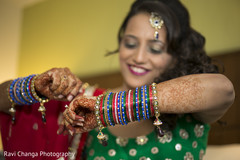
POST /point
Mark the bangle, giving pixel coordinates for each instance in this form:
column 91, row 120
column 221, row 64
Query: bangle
column 113, row 108
column 151, row 101
column 100, row 136
column 18, row 101
column 146, row 100
column 28, row 88
column 132, row 105
column 109, row 106
column 12, row 110
column 101, row 111
column 128, row 104
column 18, row 92
column 11, row 92
column 123, row 107
column 137, row 105
column 23, row 91
column 41, row 100
column 157, row 122
column 142, row 103
column 118, row 109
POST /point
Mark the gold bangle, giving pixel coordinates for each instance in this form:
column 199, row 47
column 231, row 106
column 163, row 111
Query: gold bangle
column 157, row 122
column 100, row 136
column 105, row 111
column 12, row 110
column 41, row 108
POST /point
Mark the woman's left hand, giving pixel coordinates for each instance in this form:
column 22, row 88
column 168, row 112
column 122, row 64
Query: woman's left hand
column 79, row 116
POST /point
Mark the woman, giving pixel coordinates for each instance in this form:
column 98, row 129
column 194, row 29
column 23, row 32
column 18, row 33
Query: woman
column 156, row 44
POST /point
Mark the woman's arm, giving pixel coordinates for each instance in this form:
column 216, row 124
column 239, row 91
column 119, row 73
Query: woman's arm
column 56, row 83
column 207, row 96
column 5, row 104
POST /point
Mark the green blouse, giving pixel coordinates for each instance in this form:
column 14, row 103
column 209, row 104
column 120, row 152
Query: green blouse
column 188, row 141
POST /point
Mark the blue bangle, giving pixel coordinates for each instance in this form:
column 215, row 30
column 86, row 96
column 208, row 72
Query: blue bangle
column 23, row 90
column 123, row 113
column 28, row 89
column 118, row 108
column 137, row 107
column 18, row 93
column 109, row 119
column 11, row 94
column 142, row 102
column 146, row 102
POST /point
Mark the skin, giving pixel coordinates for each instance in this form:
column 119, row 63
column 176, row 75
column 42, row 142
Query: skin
column 138, row 50
column 194, row 94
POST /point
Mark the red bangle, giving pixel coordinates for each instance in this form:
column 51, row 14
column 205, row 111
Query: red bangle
column 151, row 100
column 101, row 111
column 131, row 104
column 113, row 108
column 127, row 111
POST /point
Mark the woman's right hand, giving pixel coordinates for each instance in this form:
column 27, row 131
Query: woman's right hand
column 79, row 116
column 58, row 83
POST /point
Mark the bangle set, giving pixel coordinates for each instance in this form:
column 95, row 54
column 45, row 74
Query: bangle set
column 21, row 91
column 127, row 106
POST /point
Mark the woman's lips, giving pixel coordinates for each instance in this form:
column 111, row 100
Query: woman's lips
column 139, row 71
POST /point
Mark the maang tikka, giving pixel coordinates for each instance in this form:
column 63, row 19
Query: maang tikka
column 156, row 22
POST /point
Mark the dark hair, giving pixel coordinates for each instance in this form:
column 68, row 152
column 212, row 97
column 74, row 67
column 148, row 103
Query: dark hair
column 184, row 43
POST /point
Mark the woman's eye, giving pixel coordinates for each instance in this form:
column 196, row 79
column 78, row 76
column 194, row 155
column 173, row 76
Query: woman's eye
column 155, row 50
column 130, row 45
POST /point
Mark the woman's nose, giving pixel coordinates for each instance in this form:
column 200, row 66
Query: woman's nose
column 140, row 55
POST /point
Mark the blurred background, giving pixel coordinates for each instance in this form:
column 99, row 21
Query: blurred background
column 36, row 35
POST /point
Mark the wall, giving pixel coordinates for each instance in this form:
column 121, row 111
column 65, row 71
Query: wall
column 74, row 33
column 10, row 22
column 77, row 34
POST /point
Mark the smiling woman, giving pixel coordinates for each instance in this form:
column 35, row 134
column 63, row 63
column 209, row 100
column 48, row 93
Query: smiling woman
column 141, row 56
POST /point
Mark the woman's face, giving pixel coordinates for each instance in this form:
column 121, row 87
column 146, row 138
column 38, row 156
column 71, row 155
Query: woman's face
column 142, row 58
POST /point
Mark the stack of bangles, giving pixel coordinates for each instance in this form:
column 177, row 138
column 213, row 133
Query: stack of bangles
column 127, row 106
column 21, row 91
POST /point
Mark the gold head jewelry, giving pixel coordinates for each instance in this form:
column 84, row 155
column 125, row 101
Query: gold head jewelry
column 156, row 22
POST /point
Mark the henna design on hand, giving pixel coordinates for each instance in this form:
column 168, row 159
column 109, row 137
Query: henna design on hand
column 73, row 116
column 58, row 83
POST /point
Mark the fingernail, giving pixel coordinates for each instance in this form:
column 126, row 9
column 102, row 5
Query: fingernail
column 71, row 132
column 79, row 124
column 60, row 96
column 79, row 118
column 70, row 97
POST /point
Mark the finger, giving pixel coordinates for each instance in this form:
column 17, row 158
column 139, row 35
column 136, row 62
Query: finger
column 71, row 121
column 63, row 84
column 56, row 78
column 69, row 128
column 71, row 84
column 74, row 85
column 73, row 116
column 61, row 127
column 79, row 130
column 89, row 124
column 75, row 90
